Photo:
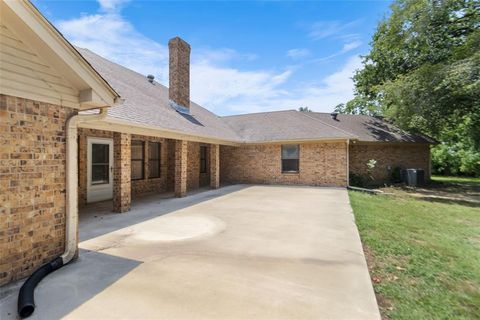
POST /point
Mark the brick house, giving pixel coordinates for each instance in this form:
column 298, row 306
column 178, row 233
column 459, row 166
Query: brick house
column 58, row 151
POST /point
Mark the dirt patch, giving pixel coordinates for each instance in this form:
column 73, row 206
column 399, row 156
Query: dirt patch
column 464, row 194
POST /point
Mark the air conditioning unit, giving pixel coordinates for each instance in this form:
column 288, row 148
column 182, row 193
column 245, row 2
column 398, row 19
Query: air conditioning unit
column 414, row 177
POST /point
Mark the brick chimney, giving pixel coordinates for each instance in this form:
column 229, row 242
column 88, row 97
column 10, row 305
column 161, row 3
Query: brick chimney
column 179, row 75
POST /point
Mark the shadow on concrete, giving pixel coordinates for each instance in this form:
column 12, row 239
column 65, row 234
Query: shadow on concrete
column 69, row 287
column 98, row 219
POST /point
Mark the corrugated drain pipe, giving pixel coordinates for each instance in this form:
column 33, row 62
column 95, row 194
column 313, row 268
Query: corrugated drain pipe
column 26, row 303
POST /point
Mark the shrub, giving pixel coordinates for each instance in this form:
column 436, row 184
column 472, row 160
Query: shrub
column 371, row 164
column 357, row 180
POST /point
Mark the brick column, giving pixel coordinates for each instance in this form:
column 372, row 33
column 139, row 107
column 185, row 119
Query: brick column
column 121, row 172
column 214, row 166
column 180, row 168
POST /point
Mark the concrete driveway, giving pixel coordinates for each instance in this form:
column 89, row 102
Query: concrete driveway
column 240, row 252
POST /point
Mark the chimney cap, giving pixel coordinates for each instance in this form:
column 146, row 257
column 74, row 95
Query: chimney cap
column 178, row 40
column 334, row 115
column 150, row 78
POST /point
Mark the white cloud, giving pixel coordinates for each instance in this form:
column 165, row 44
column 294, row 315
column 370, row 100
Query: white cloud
column 218, row 88
column 322, row 96
column 112, row 5
column 325, row 29
column 114, row 38
column 220, row 55
column 339, row 31
column 298, row 53
column 215, row 84
column 349, row 46
column 338, row 86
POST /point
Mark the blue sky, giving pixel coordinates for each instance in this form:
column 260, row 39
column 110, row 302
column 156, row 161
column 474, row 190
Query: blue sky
column 247, row 56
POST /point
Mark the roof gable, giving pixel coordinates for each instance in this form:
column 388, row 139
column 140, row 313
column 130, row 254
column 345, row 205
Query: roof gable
column 39, row 63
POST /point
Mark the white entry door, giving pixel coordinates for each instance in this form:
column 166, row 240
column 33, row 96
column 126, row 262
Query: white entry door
column 99, row 169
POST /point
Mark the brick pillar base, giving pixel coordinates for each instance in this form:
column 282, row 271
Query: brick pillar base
column 121, row 172
column 180, row 168
column 214, row 166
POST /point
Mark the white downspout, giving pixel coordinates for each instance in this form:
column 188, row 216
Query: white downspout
column 348, row 162
column 71, row 217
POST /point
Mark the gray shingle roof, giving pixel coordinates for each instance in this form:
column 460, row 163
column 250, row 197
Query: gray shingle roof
column 368, row 128
column 148, row 104
column 282, row 126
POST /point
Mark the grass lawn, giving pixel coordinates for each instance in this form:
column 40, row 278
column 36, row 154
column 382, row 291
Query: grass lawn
column 457, row 180
column 423, row 256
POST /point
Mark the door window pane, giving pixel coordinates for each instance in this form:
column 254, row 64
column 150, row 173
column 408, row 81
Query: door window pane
column 100, row 163
column 100, row 174
column 100, row 153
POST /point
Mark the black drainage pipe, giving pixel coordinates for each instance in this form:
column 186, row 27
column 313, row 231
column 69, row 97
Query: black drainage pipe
column 26, row 303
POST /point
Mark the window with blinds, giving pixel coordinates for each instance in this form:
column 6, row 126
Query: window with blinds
column 203, row 159
column 154, row 159
column 290, row 158
column 138, row 154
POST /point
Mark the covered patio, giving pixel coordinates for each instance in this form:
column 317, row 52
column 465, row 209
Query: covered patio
column 121, row 166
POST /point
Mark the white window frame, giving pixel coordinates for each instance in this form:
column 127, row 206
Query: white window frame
column 99, row 192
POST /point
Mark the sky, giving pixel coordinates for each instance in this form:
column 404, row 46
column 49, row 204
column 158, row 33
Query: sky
column 247, row 56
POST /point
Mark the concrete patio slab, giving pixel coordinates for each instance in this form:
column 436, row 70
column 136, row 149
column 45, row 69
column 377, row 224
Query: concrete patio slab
column 262, row 252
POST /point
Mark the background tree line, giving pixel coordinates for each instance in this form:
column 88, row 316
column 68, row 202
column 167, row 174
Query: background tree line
column 423, row 74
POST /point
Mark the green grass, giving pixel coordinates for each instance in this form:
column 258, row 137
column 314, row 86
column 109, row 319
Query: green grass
column 424, row 256
column 457, row 180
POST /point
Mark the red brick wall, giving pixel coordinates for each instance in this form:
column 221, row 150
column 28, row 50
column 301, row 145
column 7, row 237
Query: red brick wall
column 32, row 185
column 321, row 164
column 405, row 155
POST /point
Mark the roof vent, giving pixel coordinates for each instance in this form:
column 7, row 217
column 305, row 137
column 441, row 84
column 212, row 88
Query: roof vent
column 334, row 115
column 150, row 78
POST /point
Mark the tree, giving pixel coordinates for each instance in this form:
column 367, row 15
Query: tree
column 304, row 109
column 423, row 73
column 340, row 108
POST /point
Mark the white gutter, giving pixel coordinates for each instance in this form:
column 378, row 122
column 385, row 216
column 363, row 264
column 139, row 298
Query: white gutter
column 71, row 217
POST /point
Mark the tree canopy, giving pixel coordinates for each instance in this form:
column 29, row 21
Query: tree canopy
column 423, row 73
column 304, row 109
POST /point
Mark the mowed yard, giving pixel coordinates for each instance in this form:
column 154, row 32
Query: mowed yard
column 423, row 254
